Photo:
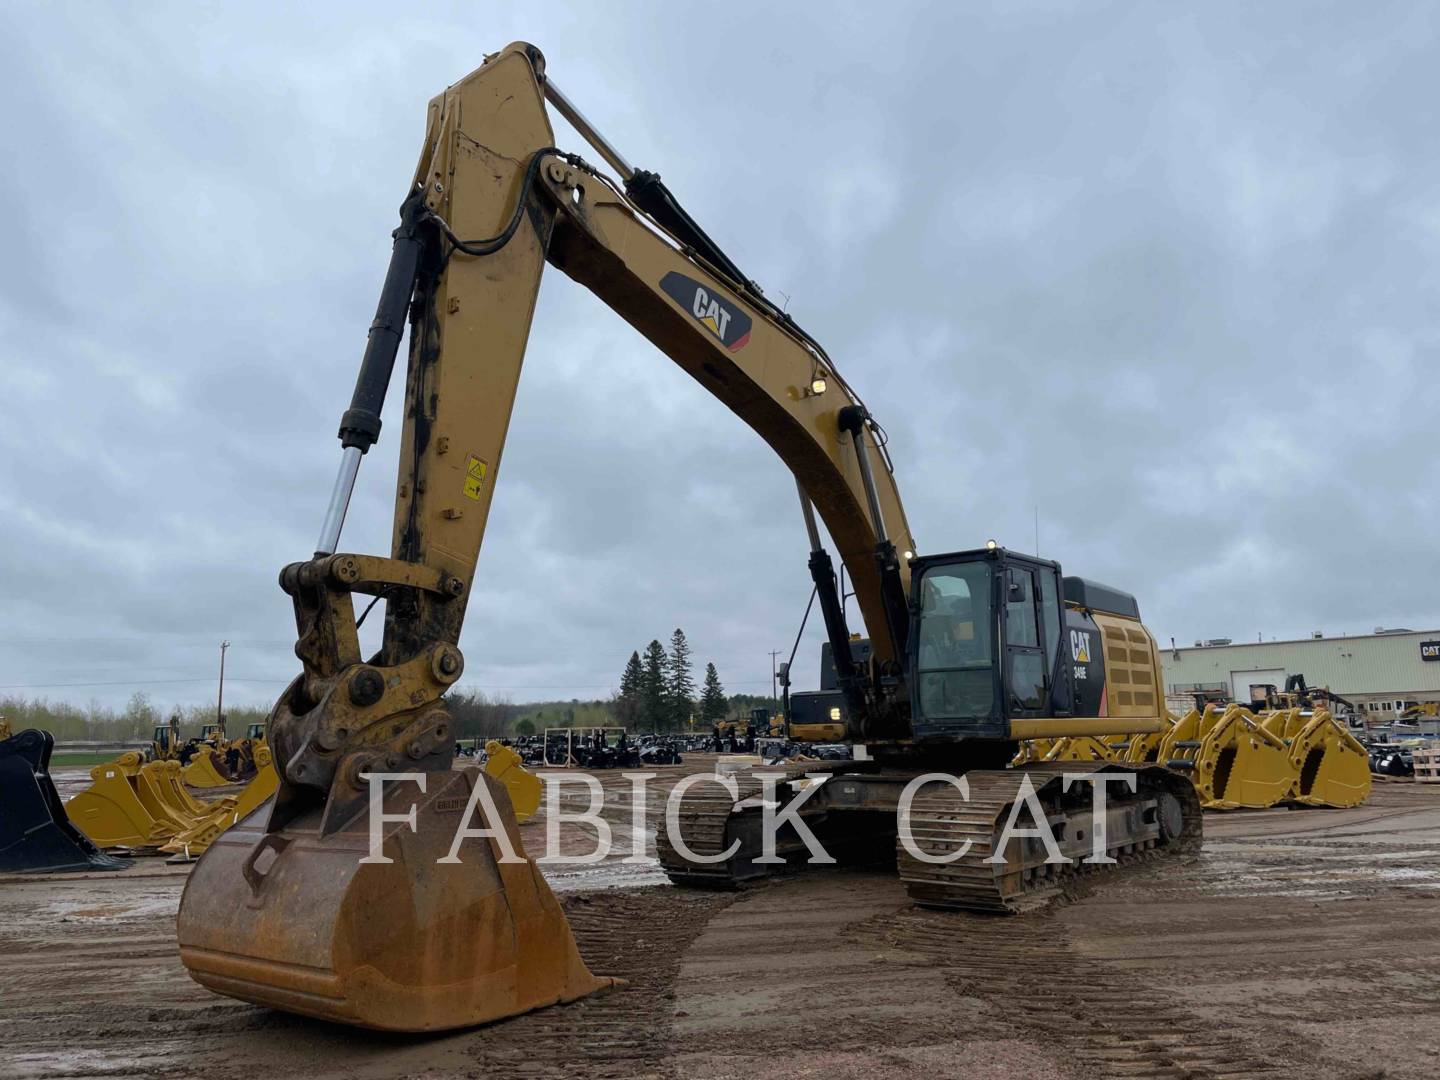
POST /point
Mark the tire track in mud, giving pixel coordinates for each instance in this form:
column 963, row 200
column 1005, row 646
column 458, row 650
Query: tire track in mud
column 1098, row 1016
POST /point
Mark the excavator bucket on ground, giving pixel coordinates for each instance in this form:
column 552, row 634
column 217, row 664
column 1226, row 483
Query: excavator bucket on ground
column 204, row 770
column 1332, row 766
column 307, row 922
column 192, row 843
column 35, row 834
column 507, row 766
column 111, row 813
column 1232, row 760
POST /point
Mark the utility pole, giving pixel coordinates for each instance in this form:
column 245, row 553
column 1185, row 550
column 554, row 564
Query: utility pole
column 220, row 700
column 773, row 674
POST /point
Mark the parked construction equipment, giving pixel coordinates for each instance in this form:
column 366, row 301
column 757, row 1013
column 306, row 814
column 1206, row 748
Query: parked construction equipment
column 507, row 766
column 134, row 803
column 1237, row 758
column 35, row 833
column 971, row 650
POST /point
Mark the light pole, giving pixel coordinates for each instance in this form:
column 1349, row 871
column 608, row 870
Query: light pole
column 220, row 700
column 773, row 675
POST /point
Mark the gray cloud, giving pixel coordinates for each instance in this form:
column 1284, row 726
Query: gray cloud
column 1168, row 275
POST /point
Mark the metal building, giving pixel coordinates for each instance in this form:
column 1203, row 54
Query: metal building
column 1382, row 672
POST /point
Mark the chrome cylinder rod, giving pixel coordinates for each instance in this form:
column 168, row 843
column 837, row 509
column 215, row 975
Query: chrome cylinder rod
column 871, row 495
column 567, row 109
column 809, row 512
column 339, row 501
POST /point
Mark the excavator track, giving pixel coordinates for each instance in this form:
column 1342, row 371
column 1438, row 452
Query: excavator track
column 711, row 819
column 1162, row 816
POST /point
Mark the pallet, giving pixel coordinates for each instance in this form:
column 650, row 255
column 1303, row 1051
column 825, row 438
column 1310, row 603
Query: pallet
column 1427, row 766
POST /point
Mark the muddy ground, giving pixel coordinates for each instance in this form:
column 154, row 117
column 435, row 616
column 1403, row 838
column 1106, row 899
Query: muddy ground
column 1297, row 943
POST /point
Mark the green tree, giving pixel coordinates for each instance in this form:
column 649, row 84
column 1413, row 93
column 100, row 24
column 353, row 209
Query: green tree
column 679, row 683
column 653, row 682
column 524, row 727
column 627, row 701
column 712, row 698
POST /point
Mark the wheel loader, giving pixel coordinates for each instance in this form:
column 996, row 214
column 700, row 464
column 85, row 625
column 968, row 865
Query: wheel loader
column 386, row 888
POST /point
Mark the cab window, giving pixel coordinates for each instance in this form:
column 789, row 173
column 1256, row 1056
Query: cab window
column 955, row 662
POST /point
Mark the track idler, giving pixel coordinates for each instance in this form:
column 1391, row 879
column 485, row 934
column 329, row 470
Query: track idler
column 35, row 833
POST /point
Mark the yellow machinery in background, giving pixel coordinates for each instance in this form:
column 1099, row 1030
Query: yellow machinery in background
column 506, row 765
column 1237, row 758
column 132, row 803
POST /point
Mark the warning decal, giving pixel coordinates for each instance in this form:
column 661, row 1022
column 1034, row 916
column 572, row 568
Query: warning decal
column 474, row 477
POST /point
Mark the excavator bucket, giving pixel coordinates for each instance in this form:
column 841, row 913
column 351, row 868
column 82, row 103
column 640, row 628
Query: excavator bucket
column 306, row 922
column 1331, row 764
column 507, row 766
column 204, row 771
column 110, row 811
column 1232, row 760
column 193, row 843
column 35, row 834
column 162, row 779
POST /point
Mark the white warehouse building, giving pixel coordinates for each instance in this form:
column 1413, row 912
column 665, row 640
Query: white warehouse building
column 1381, row 672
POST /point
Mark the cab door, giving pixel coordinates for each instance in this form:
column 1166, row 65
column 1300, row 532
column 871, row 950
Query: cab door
column 1027, row 667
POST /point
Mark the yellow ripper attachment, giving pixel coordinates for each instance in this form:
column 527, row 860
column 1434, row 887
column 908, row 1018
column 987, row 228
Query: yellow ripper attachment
column 111, row 813
column 203, row 770
column 193, row 842
column 507, row 766
column 304, row 921
column 1232, row 760
column 1331, row 767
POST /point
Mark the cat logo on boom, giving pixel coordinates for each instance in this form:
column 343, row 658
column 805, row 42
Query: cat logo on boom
column 722, row 318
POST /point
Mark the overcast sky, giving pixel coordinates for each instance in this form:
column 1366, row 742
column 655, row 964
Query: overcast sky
column 1166, row 272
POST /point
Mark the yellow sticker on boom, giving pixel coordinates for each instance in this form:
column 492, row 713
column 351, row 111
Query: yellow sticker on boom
column 474, row 477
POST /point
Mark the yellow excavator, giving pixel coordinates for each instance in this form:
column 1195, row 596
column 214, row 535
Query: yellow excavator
column 372, row 905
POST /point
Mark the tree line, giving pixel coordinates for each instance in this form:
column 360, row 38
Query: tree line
column 657, row 690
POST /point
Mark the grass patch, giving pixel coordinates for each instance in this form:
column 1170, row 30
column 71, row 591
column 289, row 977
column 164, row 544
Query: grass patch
column 82, row 758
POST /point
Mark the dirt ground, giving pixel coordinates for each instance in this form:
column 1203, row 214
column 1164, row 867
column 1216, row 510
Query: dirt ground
column 1297, row 943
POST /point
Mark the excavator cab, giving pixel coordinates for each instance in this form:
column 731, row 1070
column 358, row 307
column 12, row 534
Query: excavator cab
column 984, row 644
column 1002, row 646
column 163, row 744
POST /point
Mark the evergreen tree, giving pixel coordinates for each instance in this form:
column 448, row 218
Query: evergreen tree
column 653, row 672
column 627, row 701
column 680, row 684
column 713, row 703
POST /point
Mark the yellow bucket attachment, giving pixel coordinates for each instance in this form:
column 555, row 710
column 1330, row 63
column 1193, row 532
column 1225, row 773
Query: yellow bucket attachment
column 203, row 770
column 507, row 766
column 1231, row 759
column 229, row 811
column 110, row 811
column 1332, row 766
column 163, row 778
column 297, row 920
